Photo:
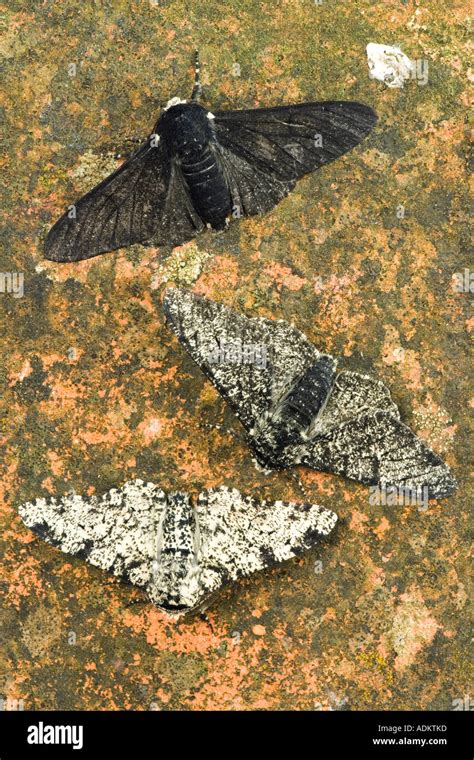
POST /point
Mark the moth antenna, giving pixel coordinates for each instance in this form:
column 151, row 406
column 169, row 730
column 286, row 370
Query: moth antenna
column 138, row 600
column 205, row 619
column 222, row 429
column 298, row 482
column 128, row 140
column 197, row 89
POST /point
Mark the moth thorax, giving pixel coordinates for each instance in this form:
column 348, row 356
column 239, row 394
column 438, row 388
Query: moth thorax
column 186, row 128
column 178, row 529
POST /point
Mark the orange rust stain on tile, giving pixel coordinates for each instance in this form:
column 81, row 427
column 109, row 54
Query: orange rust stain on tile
column 153, row 428
column 382, row 528
column 282, row 276
column 220, row 280
column 358, row 520
column 25, row 581
column 159, row 632
column 405, row 358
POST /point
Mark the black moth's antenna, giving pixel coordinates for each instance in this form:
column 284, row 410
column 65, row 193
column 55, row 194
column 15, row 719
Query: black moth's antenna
column 197, row 89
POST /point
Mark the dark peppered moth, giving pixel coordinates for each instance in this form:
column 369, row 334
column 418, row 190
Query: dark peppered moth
column 200, row 168
column 295, row 408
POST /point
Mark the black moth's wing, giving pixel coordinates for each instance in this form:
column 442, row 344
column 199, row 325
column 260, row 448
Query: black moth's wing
column 179, row 221
column 265, row 150
column 282, row 353
column 359, row 435
column 144, row 199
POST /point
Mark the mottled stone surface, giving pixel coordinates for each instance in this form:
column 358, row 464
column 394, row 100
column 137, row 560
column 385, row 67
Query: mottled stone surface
column 95, row 390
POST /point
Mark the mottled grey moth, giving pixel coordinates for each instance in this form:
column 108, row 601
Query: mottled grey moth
column 178, row 554
column 199, row 169
column 294, row 407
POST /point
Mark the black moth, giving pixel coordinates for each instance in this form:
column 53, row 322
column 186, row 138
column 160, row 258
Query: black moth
column 199, row 169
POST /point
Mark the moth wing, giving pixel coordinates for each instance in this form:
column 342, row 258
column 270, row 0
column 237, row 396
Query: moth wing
column 240, row 535
column 144, row 196
column 375, row 448
column 178, row 221
column 253, row 189
column 251, row 389
column 353, row 394
column 265, row 150
column 116, row 532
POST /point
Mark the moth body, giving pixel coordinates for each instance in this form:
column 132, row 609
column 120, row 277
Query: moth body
column 290, row 422
column 174, row 578
column 189, row 132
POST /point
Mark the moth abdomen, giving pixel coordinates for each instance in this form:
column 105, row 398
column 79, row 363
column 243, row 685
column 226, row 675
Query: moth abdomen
column 207, row 186
column 304, row 400
column 291, row 419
